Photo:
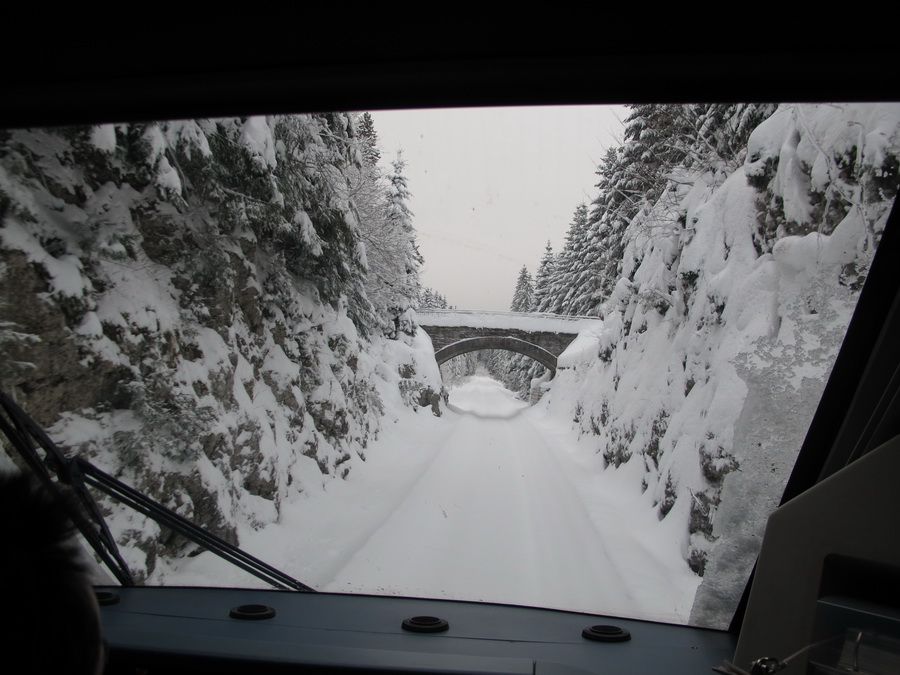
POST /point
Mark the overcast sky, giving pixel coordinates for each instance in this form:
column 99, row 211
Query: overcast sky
column 490, row 186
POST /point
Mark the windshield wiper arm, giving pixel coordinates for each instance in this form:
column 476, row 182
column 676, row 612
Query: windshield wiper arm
column 23, row 433
column 166, row 517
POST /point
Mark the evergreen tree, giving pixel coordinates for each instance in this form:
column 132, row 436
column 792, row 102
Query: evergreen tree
column 368, row 140
column 599, row 264
column 543, row 279
column 724, row 128
column 285, row 178
column 398, row 219
column 431, row 299
column 567, row 271
column 658, row 140
column 661, row 144
column 518, row 370
column 426, row 299
column 392, row 256
column 522, row 296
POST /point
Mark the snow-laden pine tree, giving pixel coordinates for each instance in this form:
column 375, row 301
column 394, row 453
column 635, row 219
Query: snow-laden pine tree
column 431, row 299
column 522, row 297
column 657, row 138
column 368, row 137
column 543, row 279
column 313, row 223
column 568, row 277
column 516, row 370
column 723, row 130
column 661, row 143
column 611, row 209
column 392, row 256
column 398, row 219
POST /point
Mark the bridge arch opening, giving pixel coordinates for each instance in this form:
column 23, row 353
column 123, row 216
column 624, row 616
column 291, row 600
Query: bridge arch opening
column 507, row 343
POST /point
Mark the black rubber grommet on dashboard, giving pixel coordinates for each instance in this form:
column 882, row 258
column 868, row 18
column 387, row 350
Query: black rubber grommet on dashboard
column 606, row 634
column 425, row 624
column 252, row 612
column 106, row 597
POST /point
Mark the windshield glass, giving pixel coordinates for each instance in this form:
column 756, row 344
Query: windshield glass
column 561, row 357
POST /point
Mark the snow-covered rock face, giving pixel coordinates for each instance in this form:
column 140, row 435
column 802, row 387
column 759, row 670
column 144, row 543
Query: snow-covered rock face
column 183, row 304
column 720, row 333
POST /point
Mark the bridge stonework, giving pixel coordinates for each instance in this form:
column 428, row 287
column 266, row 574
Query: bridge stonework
column 542, row 337
column 443, row 336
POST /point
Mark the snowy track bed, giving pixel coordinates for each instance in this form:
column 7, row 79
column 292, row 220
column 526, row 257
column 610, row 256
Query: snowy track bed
column 482, row 506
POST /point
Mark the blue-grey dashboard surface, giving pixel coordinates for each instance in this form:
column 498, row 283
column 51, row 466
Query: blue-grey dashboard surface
column 167, row 626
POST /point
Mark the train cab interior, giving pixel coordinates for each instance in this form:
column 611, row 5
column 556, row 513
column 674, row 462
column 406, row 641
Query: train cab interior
column 830, row 559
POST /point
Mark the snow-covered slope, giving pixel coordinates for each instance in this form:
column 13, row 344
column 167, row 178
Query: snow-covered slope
column 735, row 290
column 184, row 303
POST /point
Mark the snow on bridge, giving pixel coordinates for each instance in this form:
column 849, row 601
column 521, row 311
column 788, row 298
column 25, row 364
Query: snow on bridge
column 540, row 322
column 542, row 337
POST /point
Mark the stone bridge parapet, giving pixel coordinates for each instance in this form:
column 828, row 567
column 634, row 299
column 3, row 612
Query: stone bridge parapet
column 542, row 337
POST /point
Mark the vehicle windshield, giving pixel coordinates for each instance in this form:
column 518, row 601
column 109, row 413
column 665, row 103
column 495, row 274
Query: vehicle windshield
column 560, row 357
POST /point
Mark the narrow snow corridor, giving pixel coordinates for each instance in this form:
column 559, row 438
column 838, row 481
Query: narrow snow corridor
column 492, row 502
column 484, row 397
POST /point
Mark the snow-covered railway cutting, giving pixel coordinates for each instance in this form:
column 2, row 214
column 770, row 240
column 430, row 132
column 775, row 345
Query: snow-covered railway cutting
column 542, row 337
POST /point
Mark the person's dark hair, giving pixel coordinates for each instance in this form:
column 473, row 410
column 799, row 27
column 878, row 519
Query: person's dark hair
column 47, row 597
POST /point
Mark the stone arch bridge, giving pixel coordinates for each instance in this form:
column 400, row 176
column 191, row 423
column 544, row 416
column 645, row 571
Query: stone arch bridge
column 542, row 337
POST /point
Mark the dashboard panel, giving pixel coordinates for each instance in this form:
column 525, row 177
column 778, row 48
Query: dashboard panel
column 173, row 630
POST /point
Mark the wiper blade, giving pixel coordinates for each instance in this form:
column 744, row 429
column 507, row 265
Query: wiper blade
column 23, row 433
column 168, row 518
